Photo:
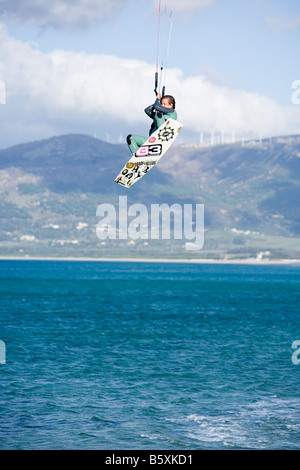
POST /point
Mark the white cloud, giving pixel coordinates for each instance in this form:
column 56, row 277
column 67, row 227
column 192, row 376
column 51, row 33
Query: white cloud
column 188, row 5
column 63, row 90
column 210, row 107
column 281, row 22
column 67, row 13
column 61, row 13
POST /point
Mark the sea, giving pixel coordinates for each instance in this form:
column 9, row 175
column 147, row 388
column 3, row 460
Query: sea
column 149, row 355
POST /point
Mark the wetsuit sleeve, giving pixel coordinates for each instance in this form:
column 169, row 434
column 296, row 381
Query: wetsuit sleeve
column 150, row 111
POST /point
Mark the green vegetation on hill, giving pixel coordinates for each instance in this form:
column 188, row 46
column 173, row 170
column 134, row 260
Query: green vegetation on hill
column 50, row 191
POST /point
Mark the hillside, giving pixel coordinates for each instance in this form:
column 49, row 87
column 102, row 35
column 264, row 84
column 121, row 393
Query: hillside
column 50, row 191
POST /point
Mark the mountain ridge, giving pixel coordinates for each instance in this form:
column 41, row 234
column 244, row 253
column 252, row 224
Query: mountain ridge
column 246, row 188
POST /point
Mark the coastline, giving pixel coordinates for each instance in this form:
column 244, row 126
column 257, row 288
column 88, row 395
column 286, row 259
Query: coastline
column 247, row 261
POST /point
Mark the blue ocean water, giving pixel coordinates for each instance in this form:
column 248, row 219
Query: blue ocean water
column 136, row 355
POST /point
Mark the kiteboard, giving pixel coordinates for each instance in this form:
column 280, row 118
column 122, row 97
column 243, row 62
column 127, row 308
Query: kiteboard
column 149, row 153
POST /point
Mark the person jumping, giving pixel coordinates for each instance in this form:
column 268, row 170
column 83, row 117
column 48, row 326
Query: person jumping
column 159, row 112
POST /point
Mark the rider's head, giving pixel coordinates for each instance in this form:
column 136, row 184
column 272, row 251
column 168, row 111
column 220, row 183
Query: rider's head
column 168, row 101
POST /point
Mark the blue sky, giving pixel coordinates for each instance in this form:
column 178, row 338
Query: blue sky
column 91, row 70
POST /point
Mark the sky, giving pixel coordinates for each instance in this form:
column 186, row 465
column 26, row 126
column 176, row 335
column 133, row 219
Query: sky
column 87, row 66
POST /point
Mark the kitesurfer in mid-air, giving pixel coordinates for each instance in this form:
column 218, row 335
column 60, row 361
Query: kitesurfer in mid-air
column 160, row 111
